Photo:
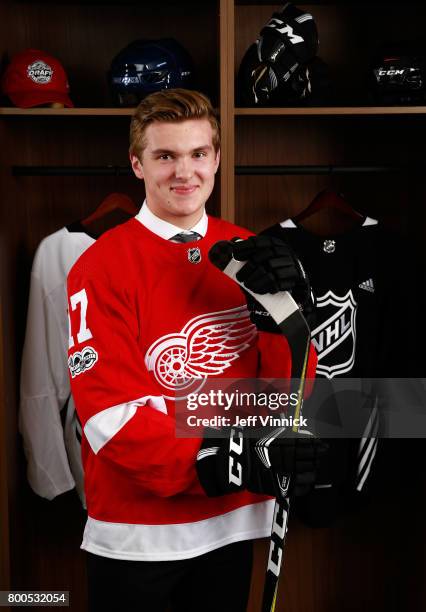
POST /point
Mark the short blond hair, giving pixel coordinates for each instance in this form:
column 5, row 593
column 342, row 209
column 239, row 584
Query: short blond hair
column 174, row 106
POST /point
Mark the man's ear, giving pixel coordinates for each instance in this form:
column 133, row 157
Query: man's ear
column 136, row 165
column 217, row 160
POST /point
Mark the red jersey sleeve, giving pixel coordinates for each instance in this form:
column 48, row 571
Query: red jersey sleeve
column 123, row 413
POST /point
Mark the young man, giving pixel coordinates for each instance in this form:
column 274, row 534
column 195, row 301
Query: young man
column 149, row 317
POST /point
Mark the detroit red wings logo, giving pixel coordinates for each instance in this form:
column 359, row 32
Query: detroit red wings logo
column 206, row 346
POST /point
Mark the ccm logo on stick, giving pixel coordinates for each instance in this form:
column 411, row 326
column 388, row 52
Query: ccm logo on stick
column 277, row 538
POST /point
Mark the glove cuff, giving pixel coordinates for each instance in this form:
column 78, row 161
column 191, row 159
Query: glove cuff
column 222, row 463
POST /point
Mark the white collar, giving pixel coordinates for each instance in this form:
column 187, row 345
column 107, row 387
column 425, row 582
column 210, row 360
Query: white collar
column 167, row 230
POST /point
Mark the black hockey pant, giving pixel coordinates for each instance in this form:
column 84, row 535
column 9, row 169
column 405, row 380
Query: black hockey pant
column 218, row 581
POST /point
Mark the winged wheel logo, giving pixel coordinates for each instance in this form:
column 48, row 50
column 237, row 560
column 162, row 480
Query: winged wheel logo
column 206, row 346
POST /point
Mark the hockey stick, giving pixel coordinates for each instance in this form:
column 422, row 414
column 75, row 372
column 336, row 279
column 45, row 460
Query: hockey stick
column 291, row 322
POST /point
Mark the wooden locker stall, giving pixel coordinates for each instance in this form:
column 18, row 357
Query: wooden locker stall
column 40, row 539
column 361, row 563
column 367, row 562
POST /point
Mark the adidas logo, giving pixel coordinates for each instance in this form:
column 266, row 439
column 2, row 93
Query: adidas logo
column 368, row 285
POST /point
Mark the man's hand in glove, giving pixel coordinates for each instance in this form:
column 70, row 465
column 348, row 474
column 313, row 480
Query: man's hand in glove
column 262, row 464
column 271, row 266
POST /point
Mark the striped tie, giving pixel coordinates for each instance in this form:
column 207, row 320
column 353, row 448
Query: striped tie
column 185, row 237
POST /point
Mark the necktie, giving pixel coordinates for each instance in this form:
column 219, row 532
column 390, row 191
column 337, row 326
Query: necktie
column 184, row 237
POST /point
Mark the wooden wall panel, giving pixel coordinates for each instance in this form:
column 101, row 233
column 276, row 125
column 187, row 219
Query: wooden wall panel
column 396, row 198
column 4, row 420
column 227, row 109
column 4, row 497
column 10, row 224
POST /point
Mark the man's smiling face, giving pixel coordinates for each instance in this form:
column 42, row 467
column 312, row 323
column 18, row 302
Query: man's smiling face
column 178, row 165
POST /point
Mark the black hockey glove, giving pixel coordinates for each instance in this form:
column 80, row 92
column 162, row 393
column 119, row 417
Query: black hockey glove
column 272, row 266
column 261, row 465
column 289, row 31
column 287, row 42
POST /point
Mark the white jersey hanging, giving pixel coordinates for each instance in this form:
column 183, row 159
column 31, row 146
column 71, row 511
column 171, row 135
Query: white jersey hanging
column 52, row 450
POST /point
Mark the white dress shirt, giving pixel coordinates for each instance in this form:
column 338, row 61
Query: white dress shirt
column 167, row 230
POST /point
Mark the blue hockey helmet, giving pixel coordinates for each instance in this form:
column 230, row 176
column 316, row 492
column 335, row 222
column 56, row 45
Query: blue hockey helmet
column 145, row 66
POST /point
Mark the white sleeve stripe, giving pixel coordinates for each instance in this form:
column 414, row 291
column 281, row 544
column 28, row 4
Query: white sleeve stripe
column 288, row 223
column 368, row 468
column 370, row 221
column 367, row 448
column 372, row 423
column 207, row 452
column 101, row 427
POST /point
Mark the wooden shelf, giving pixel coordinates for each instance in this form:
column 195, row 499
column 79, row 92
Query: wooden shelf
column 285, row 111
column 333, row 110
column 65, row 112
column 322, row 2
column 7, row 111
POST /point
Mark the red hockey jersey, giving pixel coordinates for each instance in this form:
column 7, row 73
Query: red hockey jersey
column 140, row 307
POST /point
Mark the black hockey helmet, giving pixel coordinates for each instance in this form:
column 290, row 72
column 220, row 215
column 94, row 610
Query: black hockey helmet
column 275, row 62
column 397, row 75
column 145, row 66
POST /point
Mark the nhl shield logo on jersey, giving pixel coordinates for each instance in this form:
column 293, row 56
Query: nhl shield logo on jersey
column 329, row 246
column 194, row 255
column 81, row 361
column 334, row 338
column 206, row 346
